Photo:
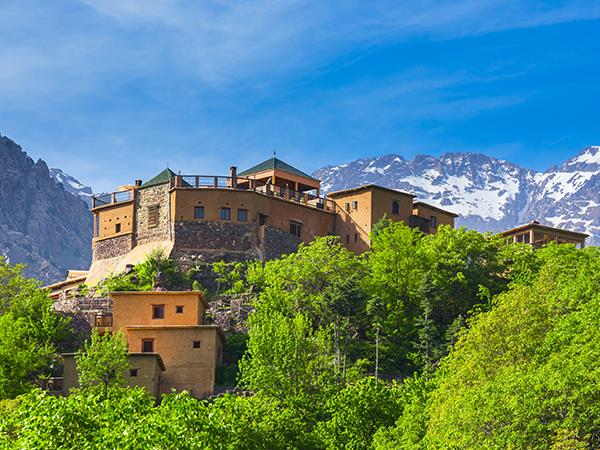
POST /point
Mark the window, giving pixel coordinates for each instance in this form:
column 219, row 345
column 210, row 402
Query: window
column 225, row 213
column 117, row 227
column 148, row 345
column 433, row 221
column 133, row 372
column 395, row 208
column 179, row 309
column 347, row 207
column 153, row 212
column 158, row 311
column 103, row 320
column 262, row 219
column 524, row 238
column 242, row 215
column 198, row 212
column 195, row 344
column 355, row 204
column 296, row 229
column 355, row 237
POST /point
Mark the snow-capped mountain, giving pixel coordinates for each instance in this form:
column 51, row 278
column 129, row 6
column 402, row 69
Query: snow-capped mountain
column 489, row 194
column 72, row 185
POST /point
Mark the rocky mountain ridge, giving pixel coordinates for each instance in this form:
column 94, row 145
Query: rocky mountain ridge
column 489, row 194
column 41, row 224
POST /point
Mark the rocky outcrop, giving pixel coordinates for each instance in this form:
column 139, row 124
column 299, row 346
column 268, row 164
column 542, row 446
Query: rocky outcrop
column 41, row 225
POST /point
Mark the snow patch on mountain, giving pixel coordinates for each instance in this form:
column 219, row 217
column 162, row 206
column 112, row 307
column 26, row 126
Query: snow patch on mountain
column 489, row 194
column 72, row 185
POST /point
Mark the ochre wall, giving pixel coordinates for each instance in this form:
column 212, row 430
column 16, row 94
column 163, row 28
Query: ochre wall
column 373, row 205
column 109, row 216
column 356, row 220
column 427, row 212
column 186, row 367
column 148, row 376
column 136, row 309
column 280, row 212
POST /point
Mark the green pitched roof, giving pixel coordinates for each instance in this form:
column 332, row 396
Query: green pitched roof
column 274, row 163
column 163, row 177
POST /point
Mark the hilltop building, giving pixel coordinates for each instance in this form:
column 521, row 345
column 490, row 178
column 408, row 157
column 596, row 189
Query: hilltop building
column 170, row 347
column 260, row 213
column 537, row 235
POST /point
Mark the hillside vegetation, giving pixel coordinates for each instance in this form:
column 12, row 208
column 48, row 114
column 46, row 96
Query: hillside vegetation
column 454, row 340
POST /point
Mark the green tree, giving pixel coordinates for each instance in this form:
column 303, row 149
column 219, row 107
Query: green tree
column 103, row 361
column 31, row 333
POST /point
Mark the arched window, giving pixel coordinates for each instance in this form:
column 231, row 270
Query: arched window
column 395, row 207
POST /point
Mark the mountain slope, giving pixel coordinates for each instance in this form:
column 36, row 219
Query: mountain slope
column 41, row 224
column 489, row 194
column 72, row 185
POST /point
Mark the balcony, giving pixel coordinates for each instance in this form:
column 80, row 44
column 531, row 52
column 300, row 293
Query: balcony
column 249, row 184
column 112, row 198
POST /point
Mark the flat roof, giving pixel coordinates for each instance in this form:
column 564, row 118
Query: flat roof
column 66, row 282
column 436, row 208
column 366, row 187
column 159, row 293
column 143, row 354
column 536, row 224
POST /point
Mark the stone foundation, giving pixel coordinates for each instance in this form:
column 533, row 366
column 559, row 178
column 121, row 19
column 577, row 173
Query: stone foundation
column 112, row 247
column 276, row 242
column 83, row 312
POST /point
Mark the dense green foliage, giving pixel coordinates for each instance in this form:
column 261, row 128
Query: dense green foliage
column 103, row 361
column 453, row 340
column 31, row 333
column 156, row 268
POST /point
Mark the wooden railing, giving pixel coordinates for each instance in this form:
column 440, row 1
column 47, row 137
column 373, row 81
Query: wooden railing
column 218, row 182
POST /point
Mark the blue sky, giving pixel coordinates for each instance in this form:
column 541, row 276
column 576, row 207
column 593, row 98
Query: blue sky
column 113, row 90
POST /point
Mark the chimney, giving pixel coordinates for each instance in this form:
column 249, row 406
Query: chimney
column 233, row 175
column 138, row 183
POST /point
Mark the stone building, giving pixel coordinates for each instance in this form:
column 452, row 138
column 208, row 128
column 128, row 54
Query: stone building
column 260, row 213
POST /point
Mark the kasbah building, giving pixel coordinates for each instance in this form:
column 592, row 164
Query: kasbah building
column 260, row 213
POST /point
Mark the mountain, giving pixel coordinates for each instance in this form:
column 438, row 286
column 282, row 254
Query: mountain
column 72, row 185
column 41, row 224
column 489, row 194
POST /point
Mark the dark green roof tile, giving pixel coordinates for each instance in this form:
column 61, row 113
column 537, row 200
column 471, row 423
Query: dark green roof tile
column 163, row 177
column 274, row 163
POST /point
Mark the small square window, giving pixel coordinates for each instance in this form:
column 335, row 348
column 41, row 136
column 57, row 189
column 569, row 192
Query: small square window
column 198, row 212
column 117, row 227
column 179, row 309
column 148, row 345
column 225, row 213
column 195, row 344
column 133, row 372
column 158, row 311
column 242, row 215
column 355, row 204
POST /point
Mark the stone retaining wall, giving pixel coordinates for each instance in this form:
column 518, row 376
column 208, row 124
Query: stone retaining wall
column 83, row 311
column 112, row 247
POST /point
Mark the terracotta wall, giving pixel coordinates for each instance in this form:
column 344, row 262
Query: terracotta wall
column 136, row 309
column 441, row 217
column 189, row 368
column 109, row 216
column 280, row 212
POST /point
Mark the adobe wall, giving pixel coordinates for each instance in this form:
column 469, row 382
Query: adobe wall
column 112, row 247
column 427, row 212
column 108, row 217
column 188, row 368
